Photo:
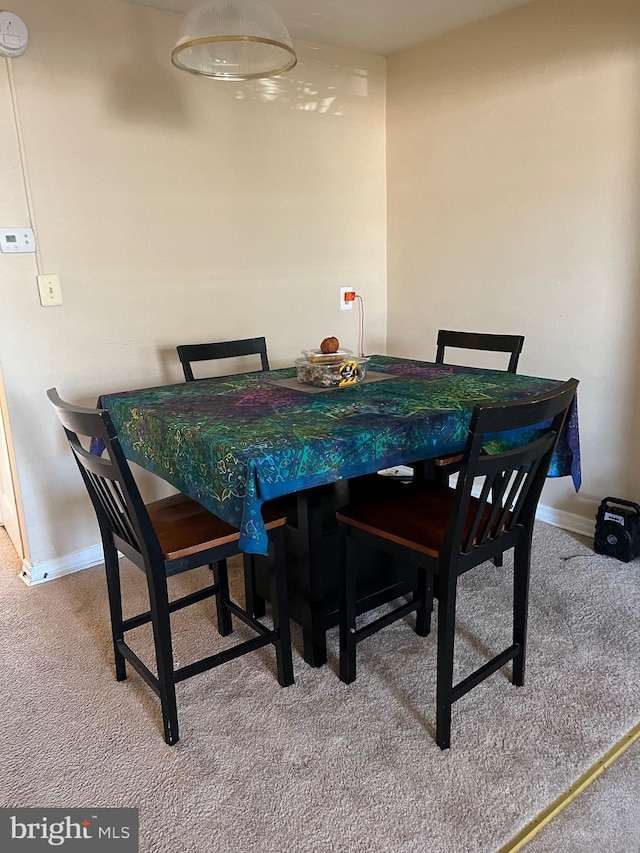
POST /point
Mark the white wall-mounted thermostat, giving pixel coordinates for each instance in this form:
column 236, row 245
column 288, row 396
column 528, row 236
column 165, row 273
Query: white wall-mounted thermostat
column 17, row 240
column 13, row 35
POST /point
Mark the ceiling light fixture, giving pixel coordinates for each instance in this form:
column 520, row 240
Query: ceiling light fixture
column 233, row 40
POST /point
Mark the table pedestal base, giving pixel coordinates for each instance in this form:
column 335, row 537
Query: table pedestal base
column 312, row 566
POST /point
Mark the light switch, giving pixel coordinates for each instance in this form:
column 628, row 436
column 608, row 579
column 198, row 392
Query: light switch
column 50, row 290
column 17, row 240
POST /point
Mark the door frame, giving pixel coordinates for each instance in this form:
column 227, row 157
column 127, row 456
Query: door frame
column 9, row 499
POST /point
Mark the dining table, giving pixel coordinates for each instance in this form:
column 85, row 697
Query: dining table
column 233, row 442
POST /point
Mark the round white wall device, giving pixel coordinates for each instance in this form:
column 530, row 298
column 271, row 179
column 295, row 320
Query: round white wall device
column 13, row 35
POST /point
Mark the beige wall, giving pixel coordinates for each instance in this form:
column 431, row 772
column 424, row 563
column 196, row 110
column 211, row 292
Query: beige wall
column 514, row 206
column 174, row 209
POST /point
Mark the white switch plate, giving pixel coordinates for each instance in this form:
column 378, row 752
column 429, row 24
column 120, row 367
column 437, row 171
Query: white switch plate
column 50, row 290
column 17, row 240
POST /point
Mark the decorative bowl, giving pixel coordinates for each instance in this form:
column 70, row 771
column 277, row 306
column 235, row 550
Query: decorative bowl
column 342, row 372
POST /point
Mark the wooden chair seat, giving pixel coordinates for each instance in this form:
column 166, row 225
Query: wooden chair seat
column 184, row 527
column 414, row 516
column 451, row 462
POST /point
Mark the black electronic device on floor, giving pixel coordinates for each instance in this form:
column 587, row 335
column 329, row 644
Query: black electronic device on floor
column 618, row 529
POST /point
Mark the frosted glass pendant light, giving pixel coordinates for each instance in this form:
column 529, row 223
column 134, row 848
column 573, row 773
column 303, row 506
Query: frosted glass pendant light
column 233, row 40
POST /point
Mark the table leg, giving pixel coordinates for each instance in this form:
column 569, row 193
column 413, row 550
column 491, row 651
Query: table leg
column 311, row 576
column 312, row 565
column 254, row 602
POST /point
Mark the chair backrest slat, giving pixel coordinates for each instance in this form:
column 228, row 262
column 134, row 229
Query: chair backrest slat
column 119, row 507
column 480, row 341
column 510, row 496
column 116, row 510
column 190, row 353
column 477, row 516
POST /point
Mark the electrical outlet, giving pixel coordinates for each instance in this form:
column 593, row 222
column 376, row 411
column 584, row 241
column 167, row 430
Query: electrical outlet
column 50, row 290
column 347, row 295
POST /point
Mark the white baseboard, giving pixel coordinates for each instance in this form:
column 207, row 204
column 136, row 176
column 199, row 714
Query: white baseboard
column 567, row 520
column 66, row 565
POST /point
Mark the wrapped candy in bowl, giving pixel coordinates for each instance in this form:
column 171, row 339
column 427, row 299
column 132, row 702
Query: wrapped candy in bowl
column 335, row 370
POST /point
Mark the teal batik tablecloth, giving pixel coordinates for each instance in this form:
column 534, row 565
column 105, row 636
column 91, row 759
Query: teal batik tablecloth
column 233, row 442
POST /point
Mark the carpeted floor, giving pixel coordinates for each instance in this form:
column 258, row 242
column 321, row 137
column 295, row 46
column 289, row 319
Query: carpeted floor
column 605, row 818
column 322, row 766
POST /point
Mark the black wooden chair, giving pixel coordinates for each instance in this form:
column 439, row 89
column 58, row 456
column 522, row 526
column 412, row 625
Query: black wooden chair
column 191, row 353
column 165, row 538
column 446, row 532
column 481, row 342
column 445, row 466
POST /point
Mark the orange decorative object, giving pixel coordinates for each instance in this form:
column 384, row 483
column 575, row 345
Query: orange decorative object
column 330, row 345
